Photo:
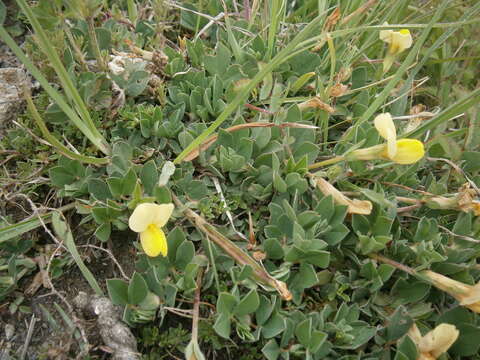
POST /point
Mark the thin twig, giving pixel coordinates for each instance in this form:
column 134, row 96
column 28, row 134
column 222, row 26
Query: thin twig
column 196, row 306
column 28, row 338
column 395, row 264
column 457, row 169
column 463, row 237
column 408, row 208
column 225, row 206
column 109, row 253
column 358, row 11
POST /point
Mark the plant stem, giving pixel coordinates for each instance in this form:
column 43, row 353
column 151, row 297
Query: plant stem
column 327, row 162
column 242, row 258
column 95, row 46
column 62, row 149
column 196, row 306
column 395, row 264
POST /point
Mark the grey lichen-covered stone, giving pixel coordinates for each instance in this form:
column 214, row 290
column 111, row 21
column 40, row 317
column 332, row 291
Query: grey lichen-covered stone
column 9, row 331
column 12, row 81
column 115, row 334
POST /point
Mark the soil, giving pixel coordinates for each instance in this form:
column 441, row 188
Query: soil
column 58, row 342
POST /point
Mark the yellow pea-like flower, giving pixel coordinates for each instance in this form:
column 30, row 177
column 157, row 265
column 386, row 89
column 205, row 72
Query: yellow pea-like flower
column 408, row 151
column 399, row 41
column 148, row 220
column 467, row 295
column 435, row 342
column 386, row 128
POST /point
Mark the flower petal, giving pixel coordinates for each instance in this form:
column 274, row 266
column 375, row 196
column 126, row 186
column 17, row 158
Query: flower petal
column 142, row 216
column 153, row 241
column 401, row 40
column 443, row 336
column 409, row 151
column 386, row 35
column 162, row 214
column 472, row 297
column 355, row 206
column 386, row 128
column 149, row 213
column 384, row 125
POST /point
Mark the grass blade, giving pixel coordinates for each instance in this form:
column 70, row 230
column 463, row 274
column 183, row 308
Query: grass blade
column 22, row 227
column 447, row 114
column 63, row 232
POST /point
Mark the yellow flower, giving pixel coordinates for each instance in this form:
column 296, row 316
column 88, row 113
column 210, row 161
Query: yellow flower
column 355, row 206
column 467, row 295
column 409, row 151
column 386, row 128
column 435, row 342
column 148, row 220
column 399, row 41
column 403, row 151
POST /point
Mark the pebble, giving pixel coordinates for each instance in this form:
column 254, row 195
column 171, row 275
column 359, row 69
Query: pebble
column 9, row 331
column 11, row 99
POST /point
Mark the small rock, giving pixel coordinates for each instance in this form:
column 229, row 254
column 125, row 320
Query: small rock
column 9, row 331
column 12, row 81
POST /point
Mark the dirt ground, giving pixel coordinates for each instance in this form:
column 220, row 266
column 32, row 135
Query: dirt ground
column 53, row 339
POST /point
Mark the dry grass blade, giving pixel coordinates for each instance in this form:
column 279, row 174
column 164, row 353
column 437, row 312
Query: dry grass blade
column 242, row 258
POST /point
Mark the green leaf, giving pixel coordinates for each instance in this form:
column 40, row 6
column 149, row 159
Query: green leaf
column 99, row 189
column 3, row 13
column 406, row 350
column 317, row 340
column 185, row 254
column 278, row 183
column 118, row 291
column 129, row 182
column 103, row 232
column 463, row 225
column 218, row 63
column 226, row 303
column 303, row 332
column 248, row 304
column 137, row 289
column 471, row 163
column 274, row 326
column 149, row 176
column 222, row 325
column 174, row 239
column 398, row 324
column 115, row 184
column 271, row 350
column 273, row 248
column 467, row 343
column 61, row 176
column 22, row 227
column 410, row 291
column 264, row 310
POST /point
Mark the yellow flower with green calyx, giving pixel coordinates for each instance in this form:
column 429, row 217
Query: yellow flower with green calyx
column 399, row 41
column 403, row 151
column 148, row 220
column 409, row 151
